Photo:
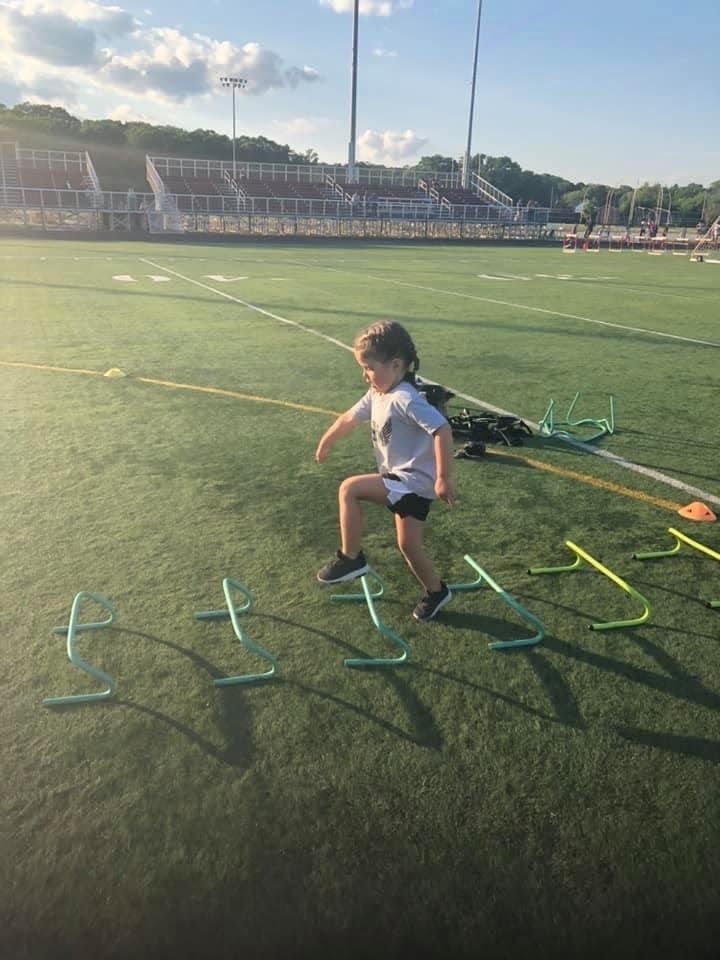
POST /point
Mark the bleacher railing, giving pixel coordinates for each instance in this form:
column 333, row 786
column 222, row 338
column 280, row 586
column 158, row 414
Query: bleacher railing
column 178, row 205
column 91, row 174
column 487, row 189
column 304, row 173
column 54, row 159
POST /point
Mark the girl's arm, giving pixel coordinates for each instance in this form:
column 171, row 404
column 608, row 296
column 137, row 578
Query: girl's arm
column 443, row 447
column 344, row 424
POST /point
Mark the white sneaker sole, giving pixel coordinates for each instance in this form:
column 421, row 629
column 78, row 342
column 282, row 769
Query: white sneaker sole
column 348, row 576
column 435, row 612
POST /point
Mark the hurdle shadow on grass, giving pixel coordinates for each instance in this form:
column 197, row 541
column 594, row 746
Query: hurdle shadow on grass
column 699, row 747
column 630, row 632
column 424, row 733
column 677, row 684
column 564, row 704
column 235, row 712
column 670, row 440
column 692, row 597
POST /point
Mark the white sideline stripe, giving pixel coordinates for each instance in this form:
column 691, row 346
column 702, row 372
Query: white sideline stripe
column 588, row 448
column 250, row 306
column 551, row 313
column 605, row 454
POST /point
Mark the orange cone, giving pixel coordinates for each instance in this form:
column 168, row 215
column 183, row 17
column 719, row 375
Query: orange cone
column 697, row 511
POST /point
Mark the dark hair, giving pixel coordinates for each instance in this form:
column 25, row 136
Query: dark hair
column 386, row 341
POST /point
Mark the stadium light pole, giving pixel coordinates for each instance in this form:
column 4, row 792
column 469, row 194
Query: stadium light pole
column 235, row 83
column 466, row 164
column 351, row 176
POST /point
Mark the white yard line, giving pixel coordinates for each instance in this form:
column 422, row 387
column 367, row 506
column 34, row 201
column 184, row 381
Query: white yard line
column 250, row 306
column 551, row 313
column 587, row 448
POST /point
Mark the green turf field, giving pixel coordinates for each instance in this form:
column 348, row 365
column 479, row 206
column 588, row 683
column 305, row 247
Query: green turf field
column 555, row 800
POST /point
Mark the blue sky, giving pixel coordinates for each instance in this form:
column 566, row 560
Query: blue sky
column 615, row 92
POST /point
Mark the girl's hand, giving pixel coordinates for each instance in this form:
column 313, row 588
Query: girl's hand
column 445, row 490
column 322, row 452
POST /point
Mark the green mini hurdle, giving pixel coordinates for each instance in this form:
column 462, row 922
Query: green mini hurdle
column 550, row 427
column 232, row 612
column 71, row 630
column 680, row 539
column 483, row 575
column 369, row 596
column 580, row 556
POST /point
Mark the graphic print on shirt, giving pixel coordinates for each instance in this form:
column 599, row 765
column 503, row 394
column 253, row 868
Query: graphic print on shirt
column 382, row 435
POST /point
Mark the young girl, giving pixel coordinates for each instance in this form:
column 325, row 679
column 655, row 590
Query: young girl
column 413, row 448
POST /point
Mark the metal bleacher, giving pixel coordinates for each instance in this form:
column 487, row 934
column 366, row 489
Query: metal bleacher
column 60, row 190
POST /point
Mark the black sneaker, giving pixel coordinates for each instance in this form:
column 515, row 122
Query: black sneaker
column 342, row 568
column 431, row 603
column 474, row 450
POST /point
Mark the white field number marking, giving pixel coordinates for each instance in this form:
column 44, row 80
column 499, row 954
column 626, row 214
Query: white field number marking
column 567, row 276
column 219, row 278
column 507, row 276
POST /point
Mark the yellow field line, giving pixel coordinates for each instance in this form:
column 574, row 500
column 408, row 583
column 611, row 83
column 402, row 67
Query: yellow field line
column 45, row 366
column 177, row 386
column 593, row 481
column 235, row 395
column 538, row 464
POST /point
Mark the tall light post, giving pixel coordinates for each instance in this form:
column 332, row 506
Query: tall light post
column 235, row 83
column 466, row 164
column 351, row 171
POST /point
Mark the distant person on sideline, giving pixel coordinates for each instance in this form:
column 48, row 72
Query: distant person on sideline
column 414, row 453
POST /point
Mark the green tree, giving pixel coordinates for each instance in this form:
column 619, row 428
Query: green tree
column 436, row 163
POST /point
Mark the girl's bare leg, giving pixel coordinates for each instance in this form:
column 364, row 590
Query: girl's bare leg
column 410, row 541
column 367, row 486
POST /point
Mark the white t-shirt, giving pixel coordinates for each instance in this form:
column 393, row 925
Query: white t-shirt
column 402, row 423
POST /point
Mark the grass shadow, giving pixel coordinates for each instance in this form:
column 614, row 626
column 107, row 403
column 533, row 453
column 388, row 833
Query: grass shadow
column 123, row 292
column 699, row 747
column 565, row 707
column 424, row 732
column 235, row 715
column 679, row 684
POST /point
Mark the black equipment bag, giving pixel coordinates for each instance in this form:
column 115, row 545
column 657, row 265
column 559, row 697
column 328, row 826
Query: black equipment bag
column 487, row 427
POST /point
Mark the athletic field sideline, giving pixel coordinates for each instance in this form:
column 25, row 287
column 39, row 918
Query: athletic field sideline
column 558, row 799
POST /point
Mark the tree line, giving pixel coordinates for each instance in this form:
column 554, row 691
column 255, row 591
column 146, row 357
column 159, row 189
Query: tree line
column 691, row 202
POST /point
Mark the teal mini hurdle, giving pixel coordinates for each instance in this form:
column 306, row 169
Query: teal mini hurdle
column 550, row 427
column 232, row 612
column 484, row 577
column 369, row 596
column 71, row 630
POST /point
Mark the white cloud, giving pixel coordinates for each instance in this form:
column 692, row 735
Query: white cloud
column 175, row 67
column 62, row 34
column 368, row 8
column 390, row 146
column 303, row 126
column 380, row 52
column 69, row 39
column 126, row 114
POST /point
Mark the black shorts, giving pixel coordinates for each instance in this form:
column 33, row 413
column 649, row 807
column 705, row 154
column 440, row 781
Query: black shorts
column 411, row 505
